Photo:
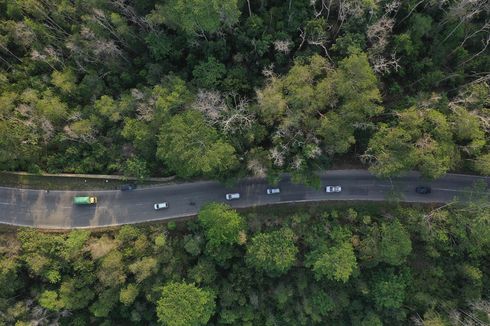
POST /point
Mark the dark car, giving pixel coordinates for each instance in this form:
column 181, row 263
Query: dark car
column 423, row 190
column 128, row 187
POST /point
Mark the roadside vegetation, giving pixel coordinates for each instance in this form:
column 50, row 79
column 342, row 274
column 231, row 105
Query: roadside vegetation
column 224, row 89
column 314, row 265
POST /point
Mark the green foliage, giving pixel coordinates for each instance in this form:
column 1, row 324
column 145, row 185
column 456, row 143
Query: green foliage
column 274, row 252
column 422, row 139
column 184, row 304
column 389, row 290
column 190, row 147
column 50, row 301
column 482, row 164
column 395, row 244
column 128, row 294
column 337, row 263
column 197, row 16
column 221, row 223
column 91, row 90
column 136, row 167
column 209, row 74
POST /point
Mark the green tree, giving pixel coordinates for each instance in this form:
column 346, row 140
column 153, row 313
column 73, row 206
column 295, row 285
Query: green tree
column 49, row 300
column 357, row 86
column 389, row 290
column 221, row 223
column 75, row 295
column 337, row 263
column 144, row 268
column 184, row 304
column 111, row 270
column 190, row 147
column 136, row 167
column 128, row 294
column 198, row 16
column 482, row 164
column 209, row 74
column 422, row 139
column 274, row 252
column 106, row 300
column 395, row 244
column 65, row 80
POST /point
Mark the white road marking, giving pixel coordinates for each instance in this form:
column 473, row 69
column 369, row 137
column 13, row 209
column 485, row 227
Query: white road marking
column 5, row 203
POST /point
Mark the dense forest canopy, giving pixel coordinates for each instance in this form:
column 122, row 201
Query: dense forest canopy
column 316, row 265
column 227, row 88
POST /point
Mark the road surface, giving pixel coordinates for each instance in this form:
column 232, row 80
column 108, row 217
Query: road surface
column 55, row 210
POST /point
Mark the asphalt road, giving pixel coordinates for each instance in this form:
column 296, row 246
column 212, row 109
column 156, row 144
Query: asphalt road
column 55, row 210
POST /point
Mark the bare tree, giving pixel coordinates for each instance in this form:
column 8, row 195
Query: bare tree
column 282, row 46
column 379, row 34
column 229, row 112
column 257, row 168
column 277, row 156
column 383, row 65
column 129, row 12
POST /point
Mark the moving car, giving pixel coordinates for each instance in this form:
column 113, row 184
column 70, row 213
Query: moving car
column 333, row 189
column 128, row 187
column 423, row 190
column 272, row 191
column 160, row 206
column 84, row 200
column 235, row 195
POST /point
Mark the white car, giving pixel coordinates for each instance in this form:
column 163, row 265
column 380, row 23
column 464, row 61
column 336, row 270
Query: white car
column 160, row 206
column 272, row 191
column 236, row 195
column 333, row 189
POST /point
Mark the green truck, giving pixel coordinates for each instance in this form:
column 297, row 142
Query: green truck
column 84, row 200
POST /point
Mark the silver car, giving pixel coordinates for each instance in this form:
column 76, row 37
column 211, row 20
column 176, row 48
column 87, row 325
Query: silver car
column 272, row 191
column 333, row 189
column 235, row 195
column 160, row 206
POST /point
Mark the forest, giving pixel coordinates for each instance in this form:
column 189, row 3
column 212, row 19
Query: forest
column 320, row 264
column 223, row 89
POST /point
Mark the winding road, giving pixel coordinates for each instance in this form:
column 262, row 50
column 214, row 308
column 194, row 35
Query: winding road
column 55, row 210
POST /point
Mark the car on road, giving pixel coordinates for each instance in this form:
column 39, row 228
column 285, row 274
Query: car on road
column 423, row 190
column 159, row 206
column 235, row 195
column 128, row 187
column 333, row 189
column 272, row 191
column 84, row 200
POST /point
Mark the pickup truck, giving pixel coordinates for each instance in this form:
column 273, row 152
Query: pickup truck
column 84, row 200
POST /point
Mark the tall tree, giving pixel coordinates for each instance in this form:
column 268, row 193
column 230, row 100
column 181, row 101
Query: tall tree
column 190, row 147
column 184, row 304
column 274, row 252
column 197, row 16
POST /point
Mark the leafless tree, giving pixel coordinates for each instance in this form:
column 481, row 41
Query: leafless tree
column 379, row 32
column 268, row 71
column 383, row 65
column 23, row 34
column 282, row 46
column 464, row 11
column 325, row 7
column 47, row 129
column 257, row 168
column 229, row 112
column 277, row 156
column 129, row 12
